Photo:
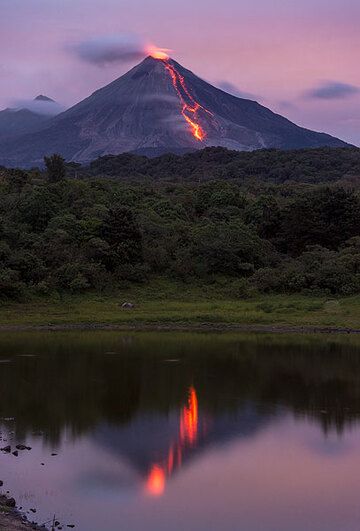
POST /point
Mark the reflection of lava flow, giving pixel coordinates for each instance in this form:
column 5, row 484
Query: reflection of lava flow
column 188, row 435
column 190, row 107
column 189, row 420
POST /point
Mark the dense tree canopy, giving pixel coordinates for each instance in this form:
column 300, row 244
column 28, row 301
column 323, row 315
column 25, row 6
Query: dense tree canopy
column 96, row 233
column 271, row 165
column 55, row 166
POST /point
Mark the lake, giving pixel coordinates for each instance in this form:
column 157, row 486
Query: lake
column 182, row 431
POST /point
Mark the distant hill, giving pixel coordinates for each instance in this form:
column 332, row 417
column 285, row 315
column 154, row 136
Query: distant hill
column 15, row 122
column 27, row 117
column 159, row 106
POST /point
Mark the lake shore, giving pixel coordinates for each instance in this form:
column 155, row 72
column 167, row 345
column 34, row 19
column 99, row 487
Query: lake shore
column 11, row 519
column 185, row 327
column 170, row 306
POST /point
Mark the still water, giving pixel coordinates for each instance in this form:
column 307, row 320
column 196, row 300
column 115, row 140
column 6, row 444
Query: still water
column 183, row 431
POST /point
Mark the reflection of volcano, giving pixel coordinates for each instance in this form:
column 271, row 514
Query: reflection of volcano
column 187, row 438
column 159, row 445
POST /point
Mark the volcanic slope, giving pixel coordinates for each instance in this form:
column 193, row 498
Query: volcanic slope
column 159, row 105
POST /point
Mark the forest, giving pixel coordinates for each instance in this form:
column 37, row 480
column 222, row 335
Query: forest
column 270, row 165
column 266, row 222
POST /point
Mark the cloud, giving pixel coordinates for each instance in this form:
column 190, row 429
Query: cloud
column 235, row 91
column 286, row 105
column 39, row 105
column 108, row 49
column 332, row 90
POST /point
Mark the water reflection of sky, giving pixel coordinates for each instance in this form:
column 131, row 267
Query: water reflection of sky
column 276, row 475
column 246, row 437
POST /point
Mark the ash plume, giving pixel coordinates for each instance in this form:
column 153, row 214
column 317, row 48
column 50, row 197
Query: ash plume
column 108, row 49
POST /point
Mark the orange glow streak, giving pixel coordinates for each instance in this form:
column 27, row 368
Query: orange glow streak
column 188, row 434
column 192, row 107
column 170, row 461
column 158, row 53
column 155, row 484
column 189, row 419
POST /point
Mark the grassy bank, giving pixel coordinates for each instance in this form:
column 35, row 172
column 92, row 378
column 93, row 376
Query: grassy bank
column 173, row 304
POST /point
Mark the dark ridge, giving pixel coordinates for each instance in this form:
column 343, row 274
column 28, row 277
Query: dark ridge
column 305, row 165
column 41, row 97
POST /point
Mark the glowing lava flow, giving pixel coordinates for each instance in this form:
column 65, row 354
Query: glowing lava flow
column 188, row 435
column 191, row 107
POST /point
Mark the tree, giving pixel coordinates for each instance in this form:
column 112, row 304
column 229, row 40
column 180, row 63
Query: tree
column 36, row 207
column 229, row 249
column 122, row 234
column 326, row 217
column 18, row 179
column 56, row 168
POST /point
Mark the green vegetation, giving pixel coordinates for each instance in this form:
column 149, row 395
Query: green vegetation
column 270, row 165
column 171, row 303
column 55, row 166
column 237, row 242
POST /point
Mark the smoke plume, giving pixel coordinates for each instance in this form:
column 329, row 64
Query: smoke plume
column 110, row 49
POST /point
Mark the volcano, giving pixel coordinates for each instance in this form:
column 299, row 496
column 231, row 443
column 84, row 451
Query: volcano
column 159, row 106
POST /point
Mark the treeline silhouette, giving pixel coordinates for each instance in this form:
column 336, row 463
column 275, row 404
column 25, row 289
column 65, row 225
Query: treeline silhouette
column 270, row 165
column 129, row 376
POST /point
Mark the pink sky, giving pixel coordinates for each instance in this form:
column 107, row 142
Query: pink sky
column 278, row 50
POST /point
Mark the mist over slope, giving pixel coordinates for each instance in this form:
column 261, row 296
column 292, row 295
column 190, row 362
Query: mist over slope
column 27, row 116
